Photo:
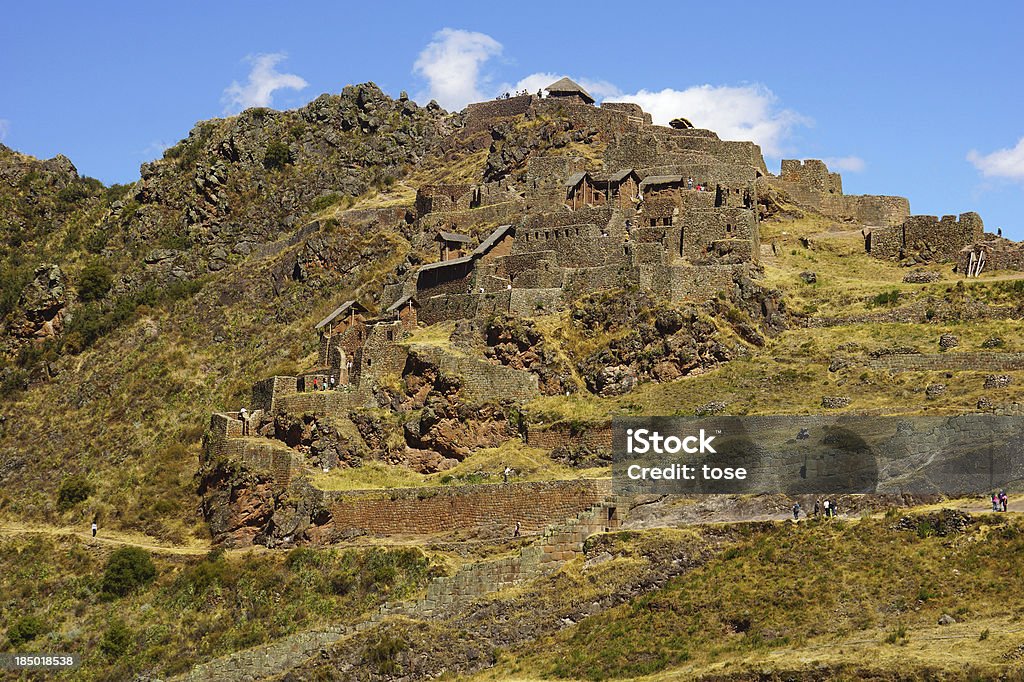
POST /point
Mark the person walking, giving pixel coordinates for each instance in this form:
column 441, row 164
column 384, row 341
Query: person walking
column 243, row 416
column 506, row 473
column 515, row 533
column 817, row 508
column 94, row 528
column 796, row 511
column 1004, row 500
column 825, row 507
column 995, row 501
column 332, row 382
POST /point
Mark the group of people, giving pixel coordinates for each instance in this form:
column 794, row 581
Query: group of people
column 520, row 93
column 689, row 185
column 828, row 507
column 999, row 501
column 322, row 385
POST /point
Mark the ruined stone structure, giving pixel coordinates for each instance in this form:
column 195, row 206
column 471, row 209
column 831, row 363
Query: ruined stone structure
column 925, row 237
column 810, row 183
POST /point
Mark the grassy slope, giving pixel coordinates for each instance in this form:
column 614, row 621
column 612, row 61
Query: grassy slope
column 784, row 597
column 197, row 608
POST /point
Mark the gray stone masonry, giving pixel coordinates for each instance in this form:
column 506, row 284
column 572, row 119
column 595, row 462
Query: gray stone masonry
column 557, row 544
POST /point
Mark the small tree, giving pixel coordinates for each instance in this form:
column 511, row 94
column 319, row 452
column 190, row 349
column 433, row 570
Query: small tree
column 128, row 569
column 73, row 490
column 116, row 640
column 25, row 629
column 278, row 155
column 94, row 282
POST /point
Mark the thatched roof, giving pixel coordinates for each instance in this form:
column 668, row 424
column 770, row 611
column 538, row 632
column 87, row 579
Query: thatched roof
column 566, row 86
column 445, row 263
column 339, row 311
column 621, row 175
column 397, row 305
column 492, row 239
column 661, row 180
column 574, row 179
column 453, row 237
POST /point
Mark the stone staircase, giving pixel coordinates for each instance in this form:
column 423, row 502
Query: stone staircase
column 557, row 544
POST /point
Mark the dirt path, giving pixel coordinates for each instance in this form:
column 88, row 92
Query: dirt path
column 106, row 538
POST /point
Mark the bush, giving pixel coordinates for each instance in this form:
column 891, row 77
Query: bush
column 886, row 298
column 94, row 282
column 128, row 569
column 96, row 241
column 278, row 155
column 116, row 640
column 73, row 490
column 25, row 629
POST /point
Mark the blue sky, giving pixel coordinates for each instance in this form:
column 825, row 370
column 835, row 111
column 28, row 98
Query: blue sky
column 917, row 99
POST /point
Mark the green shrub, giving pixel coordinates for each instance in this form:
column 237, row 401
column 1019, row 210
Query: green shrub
column 94, row 282
column 278, row 155
column 25, row 629
column 12, row 282
column 886, row 298
column 383, row 652
column 116, row 641
column 73, row 490
column 128, row 569
column 96, row 241
column 325, row 200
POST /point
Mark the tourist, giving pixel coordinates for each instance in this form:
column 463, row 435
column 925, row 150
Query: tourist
column 995, row 501
column 332, row 382
column 515, row 533
column 796, row 511
column 315, row 386
column 1003, row 499
column 507, row 472
column 243, row 416
column 94, row 527
column 689, row 183
column 817, row 508
column 825, row 505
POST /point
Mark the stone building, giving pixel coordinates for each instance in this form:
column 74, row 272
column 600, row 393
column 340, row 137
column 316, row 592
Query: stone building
column 404, row 310
column 810, row 183
column 568, row 89
column 452, row 245
column 925, row 237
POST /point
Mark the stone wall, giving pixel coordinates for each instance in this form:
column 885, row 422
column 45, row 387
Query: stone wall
column 266, row 456
column 942, row 238
column 427, row 511
column 463, row 306
column 265, row 393
column 529, row 302
column 338, row 401
column 811, row 183
column 482, row 114
column 591, row 438
column 927, row 237
column 1000, row 254
column 941, row 362
column 482, row 382
column 700, row 229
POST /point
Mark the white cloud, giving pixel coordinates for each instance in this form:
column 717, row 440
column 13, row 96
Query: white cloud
column 264, row 80
column 845, row 164
column 1002, row 163
column 451, row 63
column 5, row 127
column 746, row 112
